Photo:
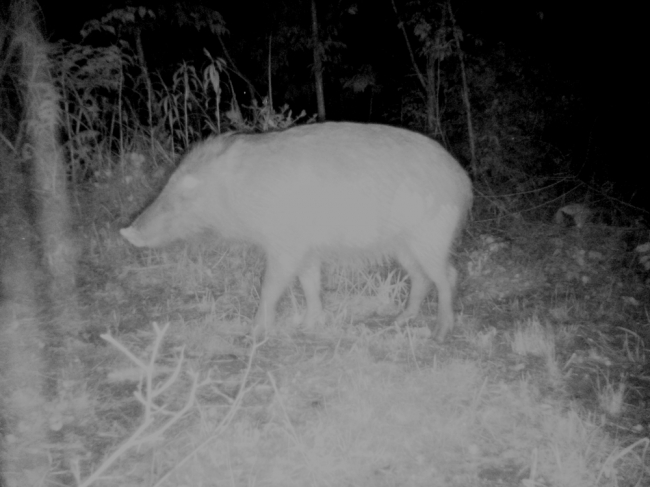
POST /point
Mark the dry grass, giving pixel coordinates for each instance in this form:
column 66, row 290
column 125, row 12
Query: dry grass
column 355, row 403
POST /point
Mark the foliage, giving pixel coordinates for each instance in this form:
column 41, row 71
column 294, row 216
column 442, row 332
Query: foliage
column 183, row 110
column 104, row 105
column 511, row 117
column 95, row 84
column 198, row 17
column 118, row 20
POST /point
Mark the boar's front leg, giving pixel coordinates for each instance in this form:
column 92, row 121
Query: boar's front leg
column 281, row 269
column 310, row 277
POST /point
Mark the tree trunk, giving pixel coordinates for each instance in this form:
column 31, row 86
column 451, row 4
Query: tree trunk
column 465, row 91
column 318, row 64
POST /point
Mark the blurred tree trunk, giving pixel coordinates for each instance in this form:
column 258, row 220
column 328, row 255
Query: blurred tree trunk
column 38, row 264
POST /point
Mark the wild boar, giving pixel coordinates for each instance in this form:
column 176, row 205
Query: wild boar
column 321, row 191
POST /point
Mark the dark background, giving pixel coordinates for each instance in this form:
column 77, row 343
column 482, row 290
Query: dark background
column 583, row 61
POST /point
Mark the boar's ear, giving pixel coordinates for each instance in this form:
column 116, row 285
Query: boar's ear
column 188, row 183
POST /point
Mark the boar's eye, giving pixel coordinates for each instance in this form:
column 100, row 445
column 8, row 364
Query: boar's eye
column 188, row 183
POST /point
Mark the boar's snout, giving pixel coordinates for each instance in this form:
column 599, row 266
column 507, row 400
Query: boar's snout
column 133, row 236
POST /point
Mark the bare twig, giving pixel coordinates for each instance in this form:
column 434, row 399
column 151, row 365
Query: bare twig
column 145, row 396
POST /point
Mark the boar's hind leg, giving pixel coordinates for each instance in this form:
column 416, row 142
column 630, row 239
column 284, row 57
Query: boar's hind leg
column 435, row 263
column 309, row 277
column 280, row 270
column 420, row 285
column 446, row 302
column 431, row 247
column 429, row 263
